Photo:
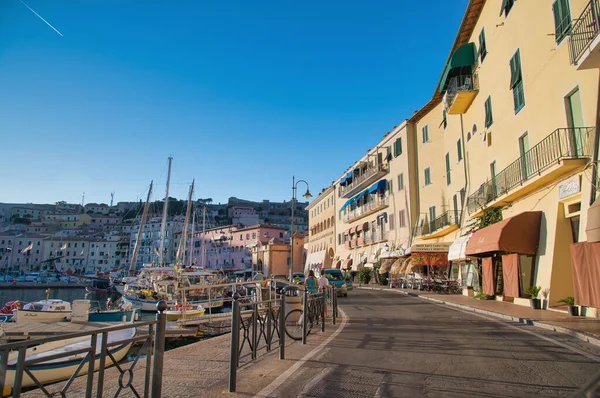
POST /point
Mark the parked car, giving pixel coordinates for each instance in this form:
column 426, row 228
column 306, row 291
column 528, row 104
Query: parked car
column 299, row 275
column 336, row 278
column 349, row 284
column 279, row 277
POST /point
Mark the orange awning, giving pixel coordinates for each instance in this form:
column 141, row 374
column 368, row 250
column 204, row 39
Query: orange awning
column 347, row 264
column 518, row 234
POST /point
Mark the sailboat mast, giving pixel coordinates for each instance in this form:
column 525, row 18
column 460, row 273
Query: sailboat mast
column 140, row 232
column 203, row 253
column 163, row 225
column 183, row 240
column 192, row 238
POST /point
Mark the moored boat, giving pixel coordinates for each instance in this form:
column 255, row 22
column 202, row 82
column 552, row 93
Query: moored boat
column 179, row 311
column 49, row 310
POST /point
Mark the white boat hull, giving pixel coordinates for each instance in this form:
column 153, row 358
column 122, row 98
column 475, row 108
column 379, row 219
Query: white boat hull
column 63, row 368
column 175, row 315
column 150, row 305
column 27, row 316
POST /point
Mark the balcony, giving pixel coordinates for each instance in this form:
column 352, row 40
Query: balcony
column 584, row 41
column 360, row 241
column 441, row 226
column 366, row 209
column 460, row 94
column 558, row 155
column 375, row 237
column 368, row 175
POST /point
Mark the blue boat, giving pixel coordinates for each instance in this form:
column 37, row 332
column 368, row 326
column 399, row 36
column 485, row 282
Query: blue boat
column 110, row 315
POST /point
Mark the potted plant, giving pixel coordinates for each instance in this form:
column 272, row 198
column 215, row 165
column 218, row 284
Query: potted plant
column 573, row 309
column 545, row 294
column 533, row 292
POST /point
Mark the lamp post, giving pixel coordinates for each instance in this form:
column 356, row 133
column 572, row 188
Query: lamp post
column 307, row 195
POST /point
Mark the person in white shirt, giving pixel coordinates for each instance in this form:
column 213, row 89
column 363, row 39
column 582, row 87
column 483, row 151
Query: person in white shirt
column 324, row 287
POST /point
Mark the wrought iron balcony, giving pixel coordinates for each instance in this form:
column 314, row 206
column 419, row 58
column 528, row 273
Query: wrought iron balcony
column 442, row 225
column 557, row 155
column 366, row 209
column 461, row 93
column 583, row 37
column 370, row 174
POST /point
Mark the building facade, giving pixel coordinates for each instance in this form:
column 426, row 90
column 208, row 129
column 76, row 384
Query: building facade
column 320, row 244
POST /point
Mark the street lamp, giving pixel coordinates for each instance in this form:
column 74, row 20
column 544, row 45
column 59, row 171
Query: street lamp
column 307, row 195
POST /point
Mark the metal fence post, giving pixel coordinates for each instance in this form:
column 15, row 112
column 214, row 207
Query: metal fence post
column 254, row 334
column 91, row 363
column 269, row 328
column 3, row 365
column 282, row 328
column 234, row 345
column 333, row 303
column 159, row 349
column 19, row 372
column 323, row 304
column 304, row 316
column 102, row 365
column 148, row 375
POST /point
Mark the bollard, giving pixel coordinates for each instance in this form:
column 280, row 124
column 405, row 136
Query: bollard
column 304, row 316
column 282, row 328
column 234, row 346
column 159, row 349
column 333, row 304
column 324, row 303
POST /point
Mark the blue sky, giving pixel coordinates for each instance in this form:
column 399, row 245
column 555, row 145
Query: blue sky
column 243, row 94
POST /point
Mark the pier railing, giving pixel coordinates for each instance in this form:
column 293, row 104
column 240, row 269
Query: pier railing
column 95, row 359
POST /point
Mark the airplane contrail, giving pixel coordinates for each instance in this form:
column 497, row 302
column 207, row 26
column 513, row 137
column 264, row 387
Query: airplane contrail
column 40, row 17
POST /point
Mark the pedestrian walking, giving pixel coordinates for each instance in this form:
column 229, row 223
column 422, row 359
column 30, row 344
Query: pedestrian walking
column 324, row 287
column 311, row 284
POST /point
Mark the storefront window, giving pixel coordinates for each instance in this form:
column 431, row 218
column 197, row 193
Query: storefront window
column 575, row 228
column 470, row 277
column 526, row 271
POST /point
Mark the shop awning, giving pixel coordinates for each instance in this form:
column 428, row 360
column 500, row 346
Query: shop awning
column 463, row 56
column 386, row 265
column 348, row 203
column 400, row 265
column 365, row 226
column 518, row 234
column 457, row 248
column 347, row 264
column 315, row 258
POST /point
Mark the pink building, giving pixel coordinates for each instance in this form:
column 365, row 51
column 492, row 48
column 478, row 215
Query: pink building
column 21, row 251
column 229, row 248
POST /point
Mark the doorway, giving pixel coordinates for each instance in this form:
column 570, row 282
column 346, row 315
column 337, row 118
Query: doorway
column 575, row 123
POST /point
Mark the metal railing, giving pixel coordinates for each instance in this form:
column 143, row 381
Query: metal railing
column 450, row 217
column 375, row 237
column 366, row 209
column 94, row 359
column 563, row 143
column 459, row 83
column 584, row 30
column 370, row 171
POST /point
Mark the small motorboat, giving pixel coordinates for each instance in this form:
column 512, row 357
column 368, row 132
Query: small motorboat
column 52, row 370
column 114, row 312
column 49, row 310
column 180, row 310
column 7, row 312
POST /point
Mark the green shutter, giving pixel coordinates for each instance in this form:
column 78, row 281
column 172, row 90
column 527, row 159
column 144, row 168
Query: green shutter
column 459, row 149
column 448, row 179
column 557, row 18
column 489, row 119
column 562, row 19
column 482, row 44
column 515, row 69
column 445, row 120
column 400, row 146
column 504, row 3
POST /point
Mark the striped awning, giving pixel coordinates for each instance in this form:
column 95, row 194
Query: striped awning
column 386, row 265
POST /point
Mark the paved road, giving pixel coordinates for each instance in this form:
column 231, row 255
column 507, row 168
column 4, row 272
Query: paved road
column 401, row 346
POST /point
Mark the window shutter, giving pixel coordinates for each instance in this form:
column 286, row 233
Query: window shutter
column 400, row 146
column 515, row 69
column 557, row 18
column 503, row 7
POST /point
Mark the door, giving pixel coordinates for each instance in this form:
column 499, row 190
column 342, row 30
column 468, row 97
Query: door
column 575, row 123
column 526, row 160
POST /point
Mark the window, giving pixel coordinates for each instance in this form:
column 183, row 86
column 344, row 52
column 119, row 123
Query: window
column 402, row 218
column 427, row 176
column 241, row 236
column 390, row 187
column 432, row 219
column 400, row 181
column 448, row 178
column 444, row 119
column 489, row 118
column 398, row 147
column 516, row 82
column 459, row 149
column 462, row 197
column 562, row 19
column 506, row 7
column 391, row 222
column 482, row 46
column 425, row 134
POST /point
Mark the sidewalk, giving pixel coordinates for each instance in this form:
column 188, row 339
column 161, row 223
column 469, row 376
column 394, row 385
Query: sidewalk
column 580, row 327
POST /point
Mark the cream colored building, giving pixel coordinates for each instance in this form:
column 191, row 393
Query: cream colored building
column 512, row 126
column 320, row 243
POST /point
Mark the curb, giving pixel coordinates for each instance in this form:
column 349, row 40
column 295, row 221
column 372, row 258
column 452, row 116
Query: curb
column 592, row 339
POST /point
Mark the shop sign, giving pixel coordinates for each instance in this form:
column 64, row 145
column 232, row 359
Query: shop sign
column 431, row 247
column 432, row 259
column 569, row 187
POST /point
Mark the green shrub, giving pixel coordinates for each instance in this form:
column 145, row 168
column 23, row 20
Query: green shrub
column 568, row 301
column 533, row 291
column 364, row 275
column 482, row 296
column 383, row 280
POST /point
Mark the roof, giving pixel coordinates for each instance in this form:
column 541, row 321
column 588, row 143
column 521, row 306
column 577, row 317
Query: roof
column 467, row 25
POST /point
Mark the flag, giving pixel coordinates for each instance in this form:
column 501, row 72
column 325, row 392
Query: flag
column 27, row 248
column 63, row 247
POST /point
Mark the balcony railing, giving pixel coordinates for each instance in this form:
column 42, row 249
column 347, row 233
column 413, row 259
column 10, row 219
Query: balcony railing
column 563, row 143
column 458, row 85
column 450, row 217
column 366, row 209
column 584, row 30
column 365, row 177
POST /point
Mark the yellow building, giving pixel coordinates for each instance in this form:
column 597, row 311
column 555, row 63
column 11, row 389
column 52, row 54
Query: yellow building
column 320, row 243
column 511, row 126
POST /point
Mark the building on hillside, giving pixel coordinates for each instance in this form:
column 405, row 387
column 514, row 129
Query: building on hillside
column 509, row 133
column 148, row 251
column 273, row 257
column 320, row 242
column 95, row 208
column 21, row 252
column 243, row 215
column 102, row 221
column 67, row 220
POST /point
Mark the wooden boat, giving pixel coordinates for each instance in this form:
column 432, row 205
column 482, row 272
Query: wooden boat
column 179, row 312
column 49, row 310
column 62, row 368
column 115, row 315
